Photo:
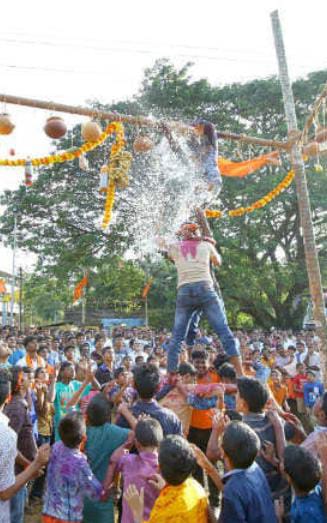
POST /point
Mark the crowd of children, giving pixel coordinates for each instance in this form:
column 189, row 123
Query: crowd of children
column 122, row 441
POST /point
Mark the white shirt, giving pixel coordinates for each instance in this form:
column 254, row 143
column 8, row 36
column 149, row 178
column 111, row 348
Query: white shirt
column 8, row 452
column 22, row 363
column 192, row 260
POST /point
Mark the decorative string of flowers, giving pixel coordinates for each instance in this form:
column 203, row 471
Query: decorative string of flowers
column 115, row 173
column 258, row 204
column 68, row 155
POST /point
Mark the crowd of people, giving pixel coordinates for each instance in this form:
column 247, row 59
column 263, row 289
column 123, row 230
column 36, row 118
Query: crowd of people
column 92, row 428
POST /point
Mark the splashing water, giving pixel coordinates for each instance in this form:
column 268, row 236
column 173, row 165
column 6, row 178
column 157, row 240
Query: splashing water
column 163, row 194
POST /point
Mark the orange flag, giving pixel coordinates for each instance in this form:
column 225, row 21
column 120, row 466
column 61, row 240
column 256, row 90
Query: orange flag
column 241, row 169
column 3, row 289
column 78, row 291
column 147, row 288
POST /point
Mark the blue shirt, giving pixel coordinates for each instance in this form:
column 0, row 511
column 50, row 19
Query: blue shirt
column 311, row 392
column 168, row 420
column 247, row 497
column 309, row 509
column 17, row 355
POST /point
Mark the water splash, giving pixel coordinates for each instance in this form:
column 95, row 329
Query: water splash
column 163, row 193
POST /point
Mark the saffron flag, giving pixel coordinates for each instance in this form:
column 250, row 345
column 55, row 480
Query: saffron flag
column 241, row 169
column 3, row 289
column 147, row 288
column 78, row 291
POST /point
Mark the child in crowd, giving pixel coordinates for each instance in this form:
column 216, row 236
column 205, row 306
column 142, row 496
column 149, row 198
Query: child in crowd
column 278, row 389
column 103, row 439
column 303, row 471
column 69, row 476
column 312, row 390
column 122, row 391
column 251, row 402
column 105, row 371
column 207, row 150
column 298, row 381
column 182, row 499
column 5, row 354
column 138, row 468
column 66, row 392
column 227, row 374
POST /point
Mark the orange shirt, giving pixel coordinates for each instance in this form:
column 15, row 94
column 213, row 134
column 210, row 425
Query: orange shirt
column 202, row 419
column 280, row 392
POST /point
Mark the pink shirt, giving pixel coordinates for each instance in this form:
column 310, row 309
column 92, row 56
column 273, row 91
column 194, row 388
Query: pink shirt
column 137, row 469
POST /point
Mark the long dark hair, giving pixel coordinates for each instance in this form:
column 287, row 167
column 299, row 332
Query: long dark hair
column 209, row 130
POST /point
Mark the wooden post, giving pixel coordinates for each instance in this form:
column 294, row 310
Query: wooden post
column 139, row 121
column 311, row 255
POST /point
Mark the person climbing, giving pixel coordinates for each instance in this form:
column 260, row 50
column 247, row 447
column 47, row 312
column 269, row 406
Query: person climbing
column 206, row 150
column 192, row 256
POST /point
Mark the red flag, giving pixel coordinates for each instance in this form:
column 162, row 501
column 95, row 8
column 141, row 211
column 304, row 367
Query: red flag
column 78, row 291
column 147, row 288
column 3, row 289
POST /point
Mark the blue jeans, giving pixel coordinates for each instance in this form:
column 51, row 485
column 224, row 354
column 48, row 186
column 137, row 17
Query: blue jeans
column 199, row 296
column 17, row 506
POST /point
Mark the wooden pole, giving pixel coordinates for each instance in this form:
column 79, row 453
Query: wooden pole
column 311, row 255
column 139, row 121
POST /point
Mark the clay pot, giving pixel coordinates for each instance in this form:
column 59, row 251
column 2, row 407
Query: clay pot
column 311, row 149
column 6, row 125
column 91, row 131
column 55, row 127
column 142, row 144
column 321, row 134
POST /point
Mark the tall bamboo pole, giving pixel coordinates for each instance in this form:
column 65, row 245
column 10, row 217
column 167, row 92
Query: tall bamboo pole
column 139, row 121
column 311, row 255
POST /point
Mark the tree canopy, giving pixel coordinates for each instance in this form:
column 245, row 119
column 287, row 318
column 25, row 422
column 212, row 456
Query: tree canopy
column 263, row 275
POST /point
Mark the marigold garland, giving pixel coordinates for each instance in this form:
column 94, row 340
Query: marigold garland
column 258, row 204
column 109, row 204
column 72, row 154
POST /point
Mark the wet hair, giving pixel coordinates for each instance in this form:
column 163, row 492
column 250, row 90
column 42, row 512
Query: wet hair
column 4, row 386
column 119, row 371
column 148, row 432
column 241, row 444
column 233, row 415
column 186, row 368
column 208, row 129
column 303, row 468
column 199, row 354
column 227, row 371
column 69, row 347
column 72, row 429
column 220, row 360
column 38, row 370
column 146, row 380
column 176, row 460
column 253, row 392
column 28, row 340
column 16, row 378
column 98, row 411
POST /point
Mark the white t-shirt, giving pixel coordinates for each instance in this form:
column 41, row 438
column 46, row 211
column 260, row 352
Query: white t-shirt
column 192, row 260
column 8, row 452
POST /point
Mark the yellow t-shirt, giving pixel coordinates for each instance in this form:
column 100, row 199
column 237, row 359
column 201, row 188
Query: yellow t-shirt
column 186, row 503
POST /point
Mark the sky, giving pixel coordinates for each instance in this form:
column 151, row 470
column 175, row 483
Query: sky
column 73, row 51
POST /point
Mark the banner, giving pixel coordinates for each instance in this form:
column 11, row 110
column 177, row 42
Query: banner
column 78, row 291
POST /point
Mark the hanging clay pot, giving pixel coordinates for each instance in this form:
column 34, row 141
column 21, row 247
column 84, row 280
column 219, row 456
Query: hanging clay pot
column 55, row 127
column 6, row 125
column 142, row 144
column 311, row 149
column 321, row 134
column 91, row 131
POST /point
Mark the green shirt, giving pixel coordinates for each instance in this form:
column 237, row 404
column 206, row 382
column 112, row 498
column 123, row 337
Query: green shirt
column 64, row 393
column 101, row 442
